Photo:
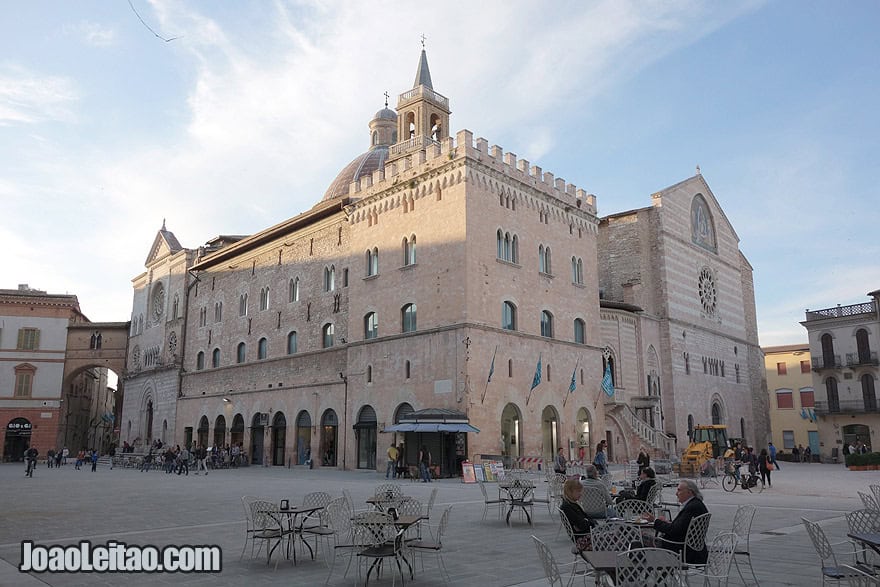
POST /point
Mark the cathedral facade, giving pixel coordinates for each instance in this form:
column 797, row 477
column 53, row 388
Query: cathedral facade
column 440, row 287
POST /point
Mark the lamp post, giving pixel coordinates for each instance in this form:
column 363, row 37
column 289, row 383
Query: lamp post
column 344, row 418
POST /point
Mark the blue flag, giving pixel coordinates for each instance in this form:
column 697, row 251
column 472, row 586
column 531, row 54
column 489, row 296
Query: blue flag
column 804, row 413
column 607, row 381
column 536, row 381
column 573, row 385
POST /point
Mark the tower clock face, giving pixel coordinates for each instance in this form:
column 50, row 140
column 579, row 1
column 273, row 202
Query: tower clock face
column 708, row 295
column 158, row 302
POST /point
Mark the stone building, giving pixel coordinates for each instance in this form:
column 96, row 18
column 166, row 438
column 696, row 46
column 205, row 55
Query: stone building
column 792, row 397
column 438, row 273
column 33, row 347
column 843, row 343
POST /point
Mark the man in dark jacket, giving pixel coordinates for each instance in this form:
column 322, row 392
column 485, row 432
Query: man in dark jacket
column 674, row 532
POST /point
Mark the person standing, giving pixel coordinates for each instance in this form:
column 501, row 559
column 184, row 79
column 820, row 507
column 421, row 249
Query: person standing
column 112, row 454
column 184, row 462
column 401, row 461
column 94, row 459
column 50, row 458
column 559, row 463
column 601, row 461
column 796, row 454
column 425, row 464
column 772, row 452
column 808, row 454
column 644, row 461
column 765, row 466
column 30, row 457
column 391, row 464
column 64, row 454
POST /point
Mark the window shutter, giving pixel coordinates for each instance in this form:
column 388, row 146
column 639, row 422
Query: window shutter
column 20, row 344
column 36, row 339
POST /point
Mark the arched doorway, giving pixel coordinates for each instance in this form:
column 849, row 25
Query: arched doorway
column 203, row 431
column 164, row 431
column 407, row 441
column 717, row 413
column 365, row 433
column 279, row 438
column 220, row 432
column 148, row 424
column 303, row 437
column 511, row 431
column 236, row 433
column 854, row 434
column 258, row 428
column 585, row 449
column 329, row 426
column 549, row 432
column 17, row 440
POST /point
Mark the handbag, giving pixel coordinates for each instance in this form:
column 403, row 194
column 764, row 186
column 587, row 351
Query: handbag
column 770, row 466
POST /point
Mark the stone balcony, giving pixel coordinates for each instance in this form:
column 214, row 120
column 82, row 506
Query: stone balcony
column 857, row 406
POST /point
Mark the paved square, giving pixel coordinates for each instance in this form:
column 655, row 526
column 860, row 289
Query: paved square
column 65, row 506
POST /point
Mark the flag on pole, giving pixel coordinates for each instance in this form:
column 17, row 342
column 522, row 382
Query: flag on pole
column 492, row 366
column 804, row 415
column 536, row 380
column 573, row 385
column 607, row 381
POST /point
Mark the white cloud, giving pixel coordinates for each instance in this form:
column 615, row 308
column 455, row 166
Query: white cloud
column 27, row 97
column 92, row 33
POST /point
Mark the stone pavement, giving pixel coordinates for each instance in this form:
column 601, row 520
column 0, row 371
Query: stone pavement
column 65, row 506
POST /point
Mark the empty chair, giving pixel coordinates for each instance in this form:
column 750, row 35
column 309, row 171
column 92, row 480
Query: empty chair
column 433, row 545
column 875, row 491
column 268, row 527
column 552, row 570
column 431, row 501
column 376, row 538
column 411, row 507
column 869, row 502
column 742, row 528
column 316, row 524
column 657, row 567
column 834, row 567
column 859, row 578
column 615, row 537
column 865, row 521
column 246, row 502
column 717, row 567
column 521, row 496
column 339, row 516
column 498, row 503
column 389, row 491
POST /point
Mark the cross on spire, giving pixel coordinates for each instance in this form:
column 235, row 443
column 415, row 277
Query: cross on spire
column 386, row 99
column 424, row 38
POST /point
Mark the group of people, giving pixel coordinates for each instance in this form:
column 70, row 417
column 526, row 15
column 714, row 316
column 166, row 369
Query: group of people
column 670, row 534
column 762, row 463
column 396, row 465
column 801, row 454
column 178, row 460
column 58, row 458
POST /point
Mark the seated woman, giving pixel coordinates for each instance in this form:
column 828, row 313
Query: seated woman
column 580, row 523
column 647, row 480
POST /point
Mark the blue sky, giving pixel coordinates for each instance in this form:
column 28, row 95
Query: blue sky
column 246, row 118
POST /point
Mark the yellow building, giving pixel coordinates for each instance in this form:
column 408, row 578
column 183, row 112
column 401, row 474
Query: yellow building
column 790, row 385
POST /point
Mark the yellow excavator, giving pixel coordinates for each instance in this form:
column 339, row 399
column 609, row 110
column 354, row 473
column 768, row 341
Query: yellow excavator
column 707, row 442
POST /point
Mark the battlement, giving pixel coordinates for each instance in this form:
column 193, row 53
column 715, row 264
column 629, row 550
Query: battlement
column 464, row 146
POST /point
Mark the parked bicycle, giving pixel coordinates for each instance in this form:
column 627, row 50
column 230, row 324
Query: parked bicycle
column 751, row 482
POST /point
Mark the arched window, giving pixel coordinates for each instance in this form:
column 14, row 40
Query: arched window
column 330, row 278
column 218, row 312
column 242, row 305
column 831, row 392
column 541, row 267
column 372, row 262
column 507, row 246
column 409, row 250
column 241, row 353
column 262, row 348
column 264, row 298
column 24, row 379
column 327, row 332
column 408, row 317
column 371, row 326
column 369, row 373
column 546, row 324
column 200, row 361
column 407, row 371
column 215, row 358
column 574, row 270
column 579, row 331
column 293, row 290
column 828, row 351
column 291, row 342
column 499, row 244
column 514, row 250
column 175, row 307
column 864, row 348
column 717, row 415
column 868, row 394
column 510, row 367
column 508, row 316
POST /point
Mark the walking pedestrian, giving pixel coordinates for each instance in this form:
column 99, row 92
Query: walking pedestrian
column 765, row 466
column 391, row 465
column 772, row 452
column 425, row 464
column 94, row 460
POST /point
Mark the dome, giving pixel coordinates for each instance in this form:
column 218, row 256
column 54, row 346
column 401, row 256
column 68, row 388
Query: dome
column 362, row 165
column 385, row 114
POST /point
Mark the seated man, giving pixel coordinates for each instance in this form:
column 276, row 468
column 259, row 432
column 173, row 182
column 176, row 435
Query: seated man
column 692, row 505
column 593, row 481
column 647, row 480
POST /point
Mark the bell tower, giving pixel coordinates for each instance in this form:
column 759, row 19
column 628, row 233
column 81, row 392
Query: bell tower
column 422, row 114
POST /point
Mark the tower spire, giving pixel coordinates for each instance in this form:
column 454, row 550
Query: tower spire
column 423, row 74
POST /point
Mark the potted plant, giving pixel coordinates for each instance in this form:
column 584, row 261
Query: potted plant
column 856, row 462
column 873, row 461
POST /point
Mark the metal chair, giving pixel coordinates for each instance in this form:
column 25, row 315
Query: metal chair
column 632, row 508
column 742, row 528
column 490, row 502
column 717, row 567
column 552, row 570
column 865, row 521
column 648, row 566
column 869, row 502
column 434, row 545
column 376, row 539
column 694, row 539
column 832, row 569
column 268, row 527
column 859, row 578
column 593, row 502
column 317, row 524
column 521, row 496
column 431, row 501
column 339, row 516
column 875, row 491
column 615, row 537
column 389, row 491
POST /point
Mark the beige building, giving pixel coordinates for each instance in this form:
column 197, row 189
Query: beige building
column 843, row 345
column 791, row 397
column 438, row 273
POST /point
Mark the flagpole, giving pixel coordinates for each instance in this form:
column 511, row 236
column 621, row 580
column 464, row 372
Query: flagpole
column 573, row 373
column 489, row 379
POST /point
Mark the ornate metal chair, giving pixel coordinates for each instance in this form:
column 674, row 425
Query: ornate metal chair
column 832, row 569
column 499, row 503
column 657, row 567
column 717, row 567
column 742, row 528
column 869, row 502
column 631, row 508
column 552, row 570
column 435, row 544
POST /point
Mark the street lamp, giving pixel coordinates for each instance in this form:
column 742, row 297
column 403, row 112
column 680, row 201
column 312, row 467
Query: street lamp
column 344, row 418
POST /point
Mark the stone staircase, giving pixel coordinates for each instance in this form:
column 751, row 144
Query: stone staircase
column 640, row 433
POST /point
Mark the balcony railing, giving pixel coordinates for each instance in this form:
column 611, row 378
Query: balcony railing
column 855, row 406
column 423, row 92
column 826, row 363
column 853, row 359
column 841, row 311
column 414, row 144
